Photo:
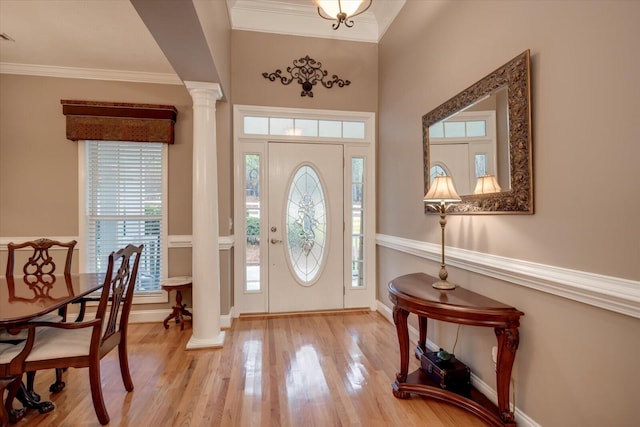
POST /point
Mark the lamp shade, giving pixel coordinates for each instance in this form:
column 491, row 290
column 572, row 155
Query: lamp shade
column 442, row 190
column 333, row 7
column 487, row 184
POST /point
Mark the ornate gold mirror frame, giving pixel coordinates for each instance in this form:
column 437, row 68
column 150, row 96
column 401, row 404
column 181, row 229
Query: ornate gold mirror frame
column 518, row 199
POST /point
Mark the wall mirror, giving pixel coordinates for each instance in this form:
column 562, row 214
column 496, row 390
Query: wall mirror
column 482, row 138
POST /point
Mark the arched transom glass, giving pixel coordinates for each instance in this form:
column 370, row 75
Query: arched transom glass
column 306, row 224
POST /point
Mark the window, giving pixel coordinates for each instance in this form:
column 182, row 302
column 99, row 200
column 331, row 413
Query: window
column 288, row 126
column 252, row 218
column 306, row 225
column 125, row 202
column 357, row 222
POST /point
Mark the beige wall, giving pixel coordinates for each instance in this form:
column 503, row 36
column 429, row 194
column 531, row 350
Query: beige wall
column 585, row 95
column 39, row 166
column 214, row 20
column 255, row 53
column 577, row 365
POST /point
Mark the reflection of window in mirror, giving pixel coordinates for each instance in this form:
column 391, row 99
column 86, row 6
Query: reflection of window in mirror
column 481, row 164
column 437, row 170
column 466, row 143
column 506, row 93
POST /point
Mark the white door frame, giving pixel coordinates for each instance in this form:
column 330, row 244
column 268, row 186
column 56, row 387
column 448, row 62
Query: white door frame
column 256, row 301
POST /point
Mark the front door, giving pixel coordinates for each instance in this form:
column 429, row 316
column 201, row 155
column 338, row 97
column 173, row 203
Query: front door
column 305, row 227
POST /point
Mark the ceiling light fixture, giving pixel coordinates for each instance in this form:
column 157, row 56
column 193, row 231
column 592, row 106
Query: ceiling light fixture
column 341, row 10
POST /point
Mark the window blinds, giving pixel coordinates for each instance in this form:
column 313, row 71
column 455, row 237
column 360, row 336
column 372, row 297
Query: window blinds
column 124, row 205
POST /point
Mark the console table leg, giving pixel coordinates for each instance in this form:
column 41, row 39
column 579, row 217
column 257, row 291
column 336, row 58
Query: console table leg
column 422, row 342
column 400, row 319
column 508, row 340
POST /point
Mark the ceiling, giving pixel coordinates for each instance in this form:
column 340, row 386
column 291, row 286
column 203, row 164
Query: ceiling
column 108, row 38
column 300, row 17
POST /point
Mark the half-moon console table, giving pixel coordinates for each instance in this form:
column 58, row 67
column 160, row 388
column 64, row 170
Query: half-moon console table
column 413, row 293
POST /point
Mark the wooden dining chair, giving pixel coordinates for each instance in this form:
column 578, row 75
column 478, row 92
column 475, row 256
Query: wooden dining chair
column 39, row 270
column 12, row 356
column 39, row 275
column 84, row 344
column 10, row 376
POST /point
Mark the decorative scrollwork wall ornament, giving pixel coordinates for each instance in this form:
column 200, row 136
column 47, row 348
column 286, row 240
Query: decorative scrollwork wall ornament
column 307, row 72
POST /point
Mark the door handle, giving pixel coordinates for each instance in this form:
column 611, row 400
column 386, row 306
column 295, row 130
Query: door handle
column 274, row 241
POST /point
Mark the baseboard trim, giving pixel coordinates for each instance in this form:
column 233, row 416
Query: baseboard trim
column 148, row 316
column 226, row 320
column 522, row 419
column 607, row 292
column 158, row 316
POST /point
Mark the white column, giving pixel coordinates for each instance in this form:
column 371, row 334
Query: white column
column 205, row 252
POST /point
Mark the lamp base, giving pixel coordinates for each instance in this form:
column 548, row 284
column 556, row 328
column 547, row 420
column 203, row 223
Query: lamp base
column 444, row 285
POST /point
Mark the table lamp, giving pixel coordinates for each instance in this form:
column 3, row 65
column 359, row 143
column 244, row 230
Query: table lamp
column 439, row 197
column 487, row 184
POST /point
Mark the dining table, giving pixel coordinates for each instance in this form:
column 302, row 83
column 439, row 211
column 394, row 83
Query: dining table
column 23, row 300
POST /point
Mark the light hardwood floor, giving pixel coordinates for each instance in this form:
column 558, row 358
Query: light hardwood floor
column 307, row 370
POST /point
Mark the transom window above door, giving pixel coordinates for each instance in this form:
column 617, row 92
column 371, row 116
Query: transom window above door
column 289, row 126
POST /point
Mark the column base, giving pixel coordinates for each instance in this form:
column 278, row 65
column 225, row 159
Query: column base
column 215, row 342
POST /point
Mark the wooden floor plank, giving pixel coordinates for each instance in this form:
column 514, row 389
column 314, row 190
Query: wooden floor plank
column 329, row 369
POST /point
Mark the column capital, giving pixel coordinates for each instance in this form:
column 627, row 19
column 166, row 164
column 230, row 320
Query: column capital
column 211, row 89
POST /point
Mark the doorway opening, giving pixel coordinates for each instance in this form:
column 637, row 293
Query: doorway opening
column 304, row 210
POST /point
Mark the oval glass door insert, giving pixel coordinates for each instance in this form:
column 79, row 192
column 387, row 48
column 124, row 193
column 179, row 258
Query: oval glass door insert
column 306, row 224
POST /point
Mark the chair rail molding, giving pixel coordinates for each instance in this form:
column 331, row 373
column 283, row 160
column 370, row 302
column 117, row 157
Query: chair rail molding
column 607, row 292
column 225, row 243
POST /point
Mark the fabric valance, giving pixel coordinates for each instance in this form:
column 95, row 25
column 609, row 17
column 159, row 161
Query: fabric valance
column 116, row 121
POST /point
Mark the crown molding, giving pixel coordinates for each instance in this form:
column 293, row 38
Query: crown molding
column 299, row 20
column 89, row 73
column 385, row 13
